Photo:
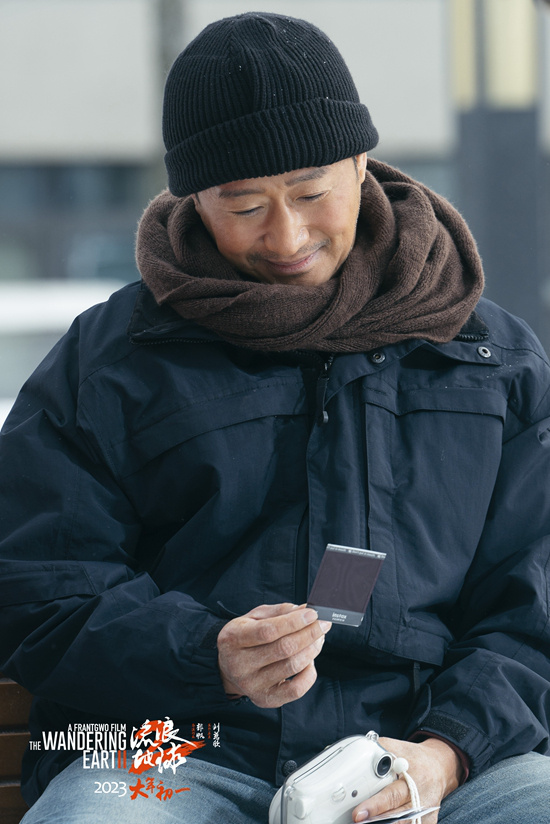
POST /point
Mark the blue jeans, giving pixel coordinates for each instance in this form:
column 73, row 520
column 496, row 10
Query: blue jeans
column 513, row 792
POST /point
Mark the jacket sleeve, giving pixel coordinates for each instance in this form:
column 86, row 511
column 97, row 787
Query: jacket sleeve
column 80, row 622
column 492, row 697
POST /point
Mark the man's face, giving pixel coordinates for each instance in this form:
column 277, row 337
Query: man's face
column 297, row 227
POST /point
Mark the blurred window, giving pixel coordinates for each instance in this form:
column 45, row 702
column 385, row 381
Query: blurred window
column 70, row 221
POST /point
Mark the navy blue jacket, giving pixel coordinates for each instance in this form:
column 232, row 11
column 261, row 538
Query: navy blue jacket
column 156, row 481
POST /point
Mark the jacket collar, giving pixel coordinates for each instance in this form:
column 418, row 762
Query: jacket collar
column 151, row 322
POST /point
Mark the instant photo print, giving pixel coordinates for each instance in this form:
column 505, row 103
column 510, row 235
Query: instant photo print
column 344, row 583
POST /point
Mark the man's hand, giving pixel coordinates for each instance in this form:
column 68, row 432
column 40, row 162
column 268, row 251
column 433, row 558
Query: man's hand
column 436, row 769
column 258, row 653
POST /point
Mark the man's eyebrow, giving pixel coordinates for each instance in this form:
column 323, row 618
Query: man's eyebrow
column 238, row 192
column 311, row 174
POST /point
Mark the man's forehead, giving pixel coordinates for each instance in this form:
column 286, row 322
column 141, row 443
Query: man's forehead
column 257, row 185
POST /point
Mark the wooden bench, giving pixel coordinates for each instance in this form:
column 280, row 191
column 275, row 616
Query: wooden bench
column 15, row 703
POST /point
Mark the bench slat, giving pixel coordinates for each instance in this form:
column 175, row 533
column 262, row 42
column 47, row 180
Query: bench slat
column 12, row 806
column 15, row 704
column 12, row 747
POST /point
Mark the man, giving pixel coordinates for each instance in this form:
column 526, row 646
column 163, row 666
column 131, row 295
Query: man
column 307, row 361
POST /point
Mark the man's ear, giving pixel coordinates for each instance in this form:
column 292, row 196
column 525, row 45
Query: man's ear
column 361, row 161
column 196, row 201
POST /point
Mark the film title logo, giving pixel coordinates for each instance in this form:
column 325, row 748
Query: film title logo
column 155, row 745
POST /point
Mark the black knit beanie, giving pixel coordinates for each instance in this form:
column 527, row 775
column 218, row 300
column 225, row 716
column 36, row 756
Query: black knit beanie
column 256, row 95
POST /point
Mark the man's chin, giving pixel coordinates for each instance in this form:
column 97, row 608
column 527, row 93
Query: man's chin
column 314, row 275
column 307, row 279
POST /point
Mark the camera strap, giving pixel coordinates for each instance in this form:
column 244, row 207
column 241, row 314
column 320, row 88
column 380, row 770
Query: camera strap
column 415, row 797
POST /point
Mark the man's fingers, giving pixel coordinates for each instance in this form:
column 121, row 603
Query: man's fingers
column 434, row 766
column 292, row 646
column 267, row 624
column 273, row 610
column 287, row 691
column 290, row 666
column 262, row 668
column 268, row 653
column 394, row 797
column 280, row 635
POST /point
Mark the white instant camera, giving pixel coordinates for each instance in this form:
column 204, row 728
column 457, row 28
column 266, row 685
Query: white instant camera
column 327, row 788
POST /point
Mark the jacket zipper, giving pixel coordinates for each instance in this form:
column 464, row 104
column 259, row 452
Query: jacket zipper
column 161, row 341
column 471, row 337
column 321, row 414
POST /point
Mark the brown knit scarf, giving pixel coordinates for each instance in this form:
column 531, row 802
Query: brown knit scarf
column 414, row 272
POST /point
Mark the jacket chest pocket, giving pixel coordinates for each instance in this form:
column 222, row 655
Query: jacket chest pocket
column 216, row 493
column 432, row 461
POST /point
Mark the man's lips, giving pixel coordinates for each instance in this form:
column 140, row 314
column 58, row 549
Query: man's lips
column 291, row 267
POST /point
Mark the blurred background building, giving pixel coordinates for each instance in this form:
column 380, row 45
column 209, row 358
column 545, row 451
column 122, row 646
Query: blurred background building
column 459, row 91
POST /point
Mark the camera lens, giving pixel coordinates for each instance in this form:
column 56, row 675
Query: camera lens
column 384, row 766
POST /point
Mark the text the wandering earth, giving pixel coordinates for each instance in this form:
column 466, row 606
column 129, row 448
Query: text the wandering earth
column 84, row 737
column 154, row 744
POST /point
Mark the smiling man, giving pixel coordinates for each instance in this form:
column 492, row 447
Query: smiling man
column 290, row 228
column 307, row 360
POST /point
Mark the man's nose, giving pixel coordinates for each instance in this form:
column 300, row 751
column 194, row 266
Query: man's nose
column 286, row 232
